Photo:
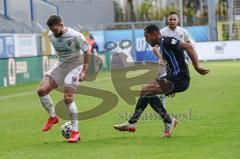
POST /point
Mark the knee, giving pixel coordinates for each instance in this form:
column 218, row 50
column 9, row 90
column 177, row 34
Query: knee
column 150, row 90
column 68, row 98
column 165, row 86
column 42, row 91
column 143, row 92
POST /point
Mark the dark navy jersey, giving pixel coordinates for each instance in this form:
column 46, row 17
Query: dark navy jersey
column 174, row 57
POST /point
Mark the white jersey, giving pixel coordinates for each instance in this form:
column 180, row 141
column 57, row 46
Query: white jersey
column 179, row 33
column 69, row 45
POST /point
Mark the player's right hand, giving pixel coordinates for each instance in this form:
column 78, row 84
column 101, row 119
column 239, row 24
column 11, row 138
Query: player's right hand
column 202, row 70
column 82, row 75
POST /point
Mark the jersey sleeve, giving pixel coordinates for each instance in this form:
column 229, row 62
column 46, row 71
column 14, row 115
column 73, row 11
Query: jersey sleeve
column 82, row 43
column 185, row 35
column 161, row 32
column 171, row 43
column 50, row 35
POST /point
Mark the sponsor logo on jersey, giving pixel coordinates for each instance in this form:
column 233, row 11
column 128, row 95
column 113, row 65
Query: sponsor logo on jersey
column 74, row 80
column 173, row 41
column 69, row 43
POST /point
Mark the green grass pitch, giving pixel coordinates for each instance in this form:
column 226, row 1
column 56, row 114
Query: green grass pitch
column 208, row 125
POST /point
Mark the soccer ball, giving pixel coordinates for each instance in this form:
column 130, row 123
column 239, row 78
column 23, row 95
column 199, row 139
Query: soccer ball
column 66, row 129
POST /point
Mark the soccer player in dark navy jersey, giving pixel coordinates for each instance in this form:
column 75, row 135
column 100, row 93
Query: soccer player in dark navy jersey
column 174, row 56
column 176, row 80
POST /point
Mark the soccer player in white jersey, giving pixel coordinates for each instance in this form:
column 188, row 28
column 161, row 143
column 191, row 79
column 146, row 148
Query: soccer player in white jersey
column 173, row 30
column 70, row 69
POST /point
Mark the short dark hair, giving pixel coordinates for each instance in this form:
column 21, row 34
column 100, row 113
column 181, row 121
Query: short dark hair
column 172, row 12
column 53, row 20
column 151, row 28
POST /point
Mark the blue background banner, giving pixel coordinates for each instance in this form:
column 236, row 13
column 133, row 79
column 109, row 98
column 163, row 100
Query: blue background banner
column 6, row 46
column 140, row 50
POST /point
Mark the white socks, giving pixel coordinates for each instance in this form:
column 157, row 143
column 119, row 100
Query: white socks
column 48, row 105
column 73, row 114
column 73, row 111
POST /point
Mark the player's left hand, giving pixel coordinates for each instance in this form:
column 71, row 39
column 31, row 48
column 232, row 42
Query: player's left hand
column 162, row 62
column 82, row 75
column 202, row 70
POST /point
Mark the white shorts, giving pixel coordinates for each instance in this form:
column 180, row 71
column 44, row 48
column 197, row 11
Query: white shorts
column 66, row 73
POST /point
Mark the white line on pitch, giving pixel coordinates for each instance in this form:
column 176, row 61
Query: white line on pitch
column 17, row 95
column 31, row 92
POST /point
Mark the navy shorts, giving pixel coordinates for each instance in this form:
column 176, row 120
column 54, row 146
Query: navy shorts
column 179, row 82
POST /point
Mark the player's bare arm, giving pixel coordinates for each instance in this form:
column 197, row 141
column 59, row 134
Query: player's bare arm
column 83, row 74
column 156, row 52
column 194, row 58
column 159, row 56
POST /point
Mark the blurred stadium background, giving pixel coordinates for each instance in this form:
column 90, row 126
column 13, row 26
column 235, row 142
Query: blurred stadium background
column 117, row 26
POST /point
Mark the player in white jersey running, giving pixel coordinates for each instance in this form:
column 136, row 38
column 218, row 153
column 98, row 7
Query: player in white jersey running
column 70, row 69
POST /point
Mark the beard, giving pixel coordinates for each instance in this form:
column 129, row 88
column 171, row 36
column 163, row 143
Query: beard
column 58, row 34
column 153, row 43
column 173, row 26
